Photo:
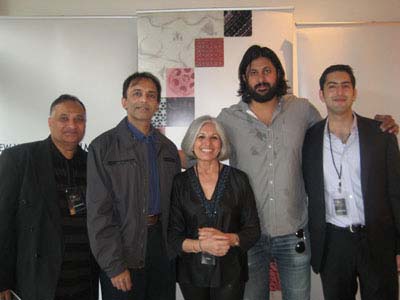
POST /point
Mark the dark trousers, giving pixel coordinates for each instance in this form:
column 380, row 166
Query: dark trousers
column 348, row 256
column 232, row 291
column 156, row 281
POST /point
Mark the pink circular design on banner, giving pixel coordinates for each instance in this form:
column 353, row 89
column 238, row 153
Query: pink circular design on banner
column 180, row 82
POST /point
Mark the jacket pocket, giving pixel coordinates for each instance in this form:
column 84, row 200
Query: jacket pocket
column 121, row 162
column 169, row 159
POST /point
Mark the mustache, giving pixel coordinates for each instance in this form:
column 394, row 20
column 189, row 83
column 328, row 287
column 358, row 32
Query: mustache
column 71, row 131
column 262, row 84
column 140, row 106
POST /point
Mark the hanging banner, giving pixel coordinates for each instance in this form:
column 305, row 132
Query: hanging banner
column 196, row 56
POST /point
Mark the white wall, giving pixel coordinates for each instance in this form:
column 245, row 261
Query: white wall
column 118, row 7
column 305, row 10
column 43, row 58
column 372, row 51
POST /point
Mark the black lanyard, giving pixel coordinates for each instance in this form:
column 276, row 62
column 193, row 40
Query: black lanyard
column 338, row 172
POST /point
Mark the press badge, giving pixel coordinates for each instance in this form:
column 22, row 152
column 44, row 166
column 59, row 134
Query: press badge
column 207, row 259
column 76, row 200
column 339, row 204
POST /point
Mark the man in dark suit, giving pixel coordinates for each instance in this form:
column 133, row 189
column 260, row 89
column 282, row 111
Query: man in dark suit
column 352, row 176
column 44, row 247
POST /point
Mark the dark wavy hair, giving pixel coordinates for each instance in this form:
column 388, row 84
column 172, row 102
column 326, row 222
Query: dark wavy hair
column 337, row 68
column 138, row 76
column 253, row 53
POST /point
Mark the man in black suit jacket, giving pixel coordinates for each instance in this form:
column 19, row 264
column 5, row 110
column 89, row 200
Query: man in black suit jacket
column 44, row 247
column 352, row 176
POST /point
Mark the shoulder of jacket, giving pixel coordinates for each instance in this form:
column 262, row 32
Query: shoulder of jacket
column 24, row 148
column 317, row 125
column 181, row 176
column 105, row 137
column 166, row 141
column 368, row 121
column 238, row 174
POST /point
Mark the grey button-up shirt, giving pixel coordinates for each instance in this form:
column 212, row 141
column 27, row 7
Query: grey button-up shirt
column 271, row 156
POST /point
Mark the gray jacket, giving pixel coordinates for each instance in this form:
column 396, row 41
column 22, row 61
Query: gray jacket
column 117, row 196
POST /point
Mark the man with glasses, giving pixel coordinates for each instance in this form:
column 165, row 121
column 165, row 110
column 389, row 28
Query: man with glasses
column 130, row 172
column 352, row 177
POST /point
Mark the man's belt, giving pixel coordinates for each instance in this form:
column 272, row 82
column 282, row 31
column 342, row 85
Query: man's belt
column 354, row 228
column 153, row 219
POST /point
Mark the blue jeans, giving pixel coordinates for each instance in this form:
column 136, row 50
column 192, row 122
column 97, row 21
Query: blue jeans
column 293, row 267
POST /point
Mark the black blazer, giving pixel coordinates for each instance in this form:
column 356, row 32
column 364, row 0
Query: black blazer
column 380, row 182
column 237, row 214
column 31, row 240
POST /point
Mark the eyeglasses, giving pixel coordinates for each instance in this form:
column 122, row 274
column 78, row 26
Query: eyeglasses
column 300, row 246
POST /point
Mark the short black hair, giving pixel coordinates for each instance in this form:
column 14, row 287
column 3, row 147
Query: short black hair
column 66, row 98
column 138, row 76
column 253, row 53
column 337, row 68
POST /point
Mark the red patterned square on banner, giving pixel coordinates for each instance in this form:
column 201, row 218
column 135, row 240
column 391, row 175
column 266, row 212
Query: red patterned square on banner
column 180, row 82
column 209, row 52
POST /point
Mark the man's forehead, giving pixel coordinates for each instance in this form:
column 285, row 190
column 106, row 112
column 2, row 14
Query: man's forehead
column 338, row 77
column 69, row 107
column 143, row 84
column 260, row 62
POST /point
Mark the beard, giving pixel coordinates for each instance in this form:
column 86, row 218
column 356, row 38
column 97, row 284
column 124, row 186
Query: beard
column 254, row 95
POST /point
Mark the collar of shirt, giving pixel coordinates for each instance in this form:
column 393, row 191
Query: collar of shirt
column 277, row 110
column 353, row 131
column 137, row 134
column 78, row 155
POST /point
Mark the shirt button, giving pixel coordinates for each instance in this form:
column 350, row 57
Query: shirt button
column 271, row 199
column 351, row 196
column 269, row 146
column 271, row 182
column 270, row 164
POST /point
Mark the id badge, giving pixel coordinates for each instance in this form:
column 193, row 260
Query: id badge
column 207, row 259
column 76, row 200
column 340, row 204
